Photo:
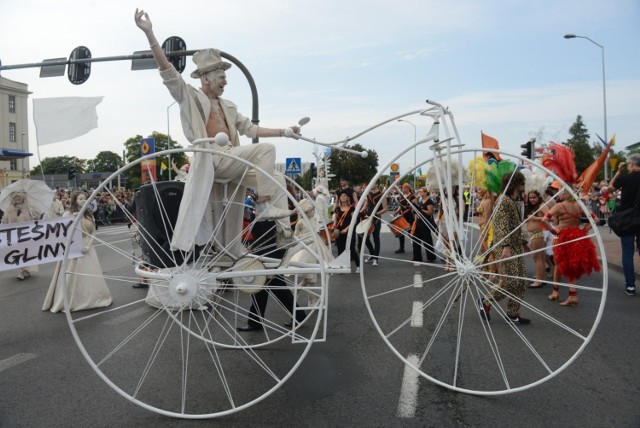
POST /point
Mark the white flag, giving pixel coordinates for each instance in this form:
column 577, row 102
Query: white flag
column 64, row 118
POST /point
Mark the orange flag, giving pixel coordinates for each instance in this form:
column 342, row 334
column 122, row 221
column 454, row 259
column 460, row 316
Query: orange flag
column 490, row 143
column 589, row 175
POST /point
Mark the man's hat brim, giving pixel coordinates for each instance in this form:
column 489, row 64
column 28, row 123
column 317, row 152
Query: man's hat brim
column 219, row 66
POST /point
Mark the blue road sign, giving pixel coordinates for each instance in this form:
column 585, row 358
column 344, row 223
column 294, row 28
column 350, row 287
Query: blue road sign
column 293, row 166
column 147, row 146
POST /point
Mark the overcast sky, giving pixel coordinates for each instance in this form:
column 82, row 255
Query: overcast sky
column 502, row 66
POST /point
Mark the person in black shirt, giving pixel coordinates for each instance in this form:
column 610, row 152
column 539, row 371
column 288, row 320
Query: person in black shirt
column 422, row 227
column 629, row 185
column 345, row 188
column 407, row 198
column 374, row 195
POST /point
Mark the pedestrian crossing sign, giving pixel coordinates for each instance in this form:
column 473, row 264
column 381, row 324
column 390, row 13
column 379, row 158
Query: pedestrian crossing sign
column 293, row 166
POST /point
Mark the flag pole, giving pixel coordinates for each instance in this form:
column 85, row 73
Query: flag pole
column 39, row 160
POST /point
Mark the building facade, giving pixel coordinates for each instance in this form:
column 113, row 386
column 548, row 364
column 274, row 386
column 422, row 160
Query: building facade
column 14, row 131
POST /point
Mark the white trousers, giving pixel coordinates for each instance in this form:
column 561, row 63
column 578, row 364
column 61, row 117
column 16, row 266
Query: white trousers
column 261, row 155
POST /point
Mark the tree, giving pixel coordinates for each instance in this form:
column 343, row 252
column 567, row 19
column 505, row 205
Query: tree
column 305, row 180
column 105, row 162
column 59, row 165
column 132, row 153
column 355, row 168
column 579, row 142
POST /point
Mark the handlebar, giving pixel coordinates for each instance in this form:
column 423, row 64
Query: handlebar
column 290, row 134
column 436, row 110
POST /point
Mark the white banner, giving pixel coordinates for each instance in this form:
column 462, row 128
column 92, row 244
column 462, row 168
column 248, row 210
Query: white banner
column 64, row 118
column 36, row 242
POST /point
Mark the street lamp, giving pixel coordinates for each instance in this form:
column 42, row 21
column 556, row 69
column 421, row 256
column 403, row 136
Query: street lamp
column 604, row 96
column 169, row 138
column 415, row 161
column 23, row 149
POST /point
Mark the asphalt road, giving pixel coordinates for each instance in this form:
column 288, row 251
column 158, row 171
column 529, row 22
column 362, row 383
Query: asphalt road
column 351, row 379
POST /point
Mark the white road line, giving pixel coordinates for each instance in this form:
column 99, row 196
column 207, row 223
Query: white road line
column 416, row 314
column 417, row 280
column 409, row 391
column 15, row 360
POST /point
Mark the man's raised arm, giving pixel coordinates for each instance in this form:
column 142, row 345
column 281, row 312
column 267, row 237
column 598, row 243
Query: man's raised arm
column 144, row 23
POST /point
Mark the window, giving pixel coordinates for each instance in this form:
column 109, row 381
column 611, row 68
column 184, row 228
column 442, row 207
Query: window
column 12, row 132
column 13, row 164
column 12, row 104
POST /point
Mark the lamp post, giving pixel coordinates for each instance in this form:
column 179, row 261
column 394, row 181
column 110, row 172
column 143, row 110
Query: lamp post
column 415, row 138
column 604, row 96
column 169, row 138
column 23, row 149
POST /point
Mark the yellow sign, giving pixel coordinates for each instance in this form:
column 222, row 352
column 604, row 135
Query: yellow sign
column 395, row 167
column 613, row 162
column 144, row 148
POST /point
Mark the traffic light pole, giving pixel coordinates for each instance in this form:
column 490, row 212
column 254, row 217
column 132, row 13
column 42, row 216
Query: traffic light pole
column 175, row 56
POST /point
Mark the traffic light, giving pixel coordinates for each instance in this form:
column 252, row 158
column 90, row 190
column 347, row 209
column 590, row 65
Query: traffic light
column 528, row 149
column 312, row 169
column 72, row 173
column 327, row 168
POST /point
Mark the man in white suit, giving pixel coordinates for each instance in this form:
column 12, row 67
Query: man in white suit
column 205, row 114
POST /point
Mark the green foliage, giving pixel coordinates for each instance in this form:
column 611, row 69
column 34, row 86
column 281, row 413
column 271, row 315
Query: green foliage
column 357, row 169
column 305, row 180
column 60, row 165
column 579, row 142
column 105, row 162
column 132, row 152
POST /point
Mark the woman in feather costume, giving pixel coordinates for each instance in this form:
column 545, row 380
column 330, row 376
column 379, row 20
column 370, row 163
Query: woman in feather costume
column 574, row 252
column 478, row 172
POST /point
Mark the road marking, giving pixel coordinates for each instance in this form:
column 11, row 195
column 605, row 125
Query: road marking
column 416, row 314
column 409, row 391
column 417, row 280
column 15, row 360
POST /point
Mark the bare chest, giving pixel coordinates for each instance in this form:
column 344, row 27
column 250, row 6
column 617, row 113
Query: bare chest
column 216, row 122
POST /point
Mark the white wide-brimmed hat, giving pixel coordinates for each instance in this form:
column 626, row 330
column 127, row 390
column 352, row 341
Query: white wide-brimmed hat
column 208, row 60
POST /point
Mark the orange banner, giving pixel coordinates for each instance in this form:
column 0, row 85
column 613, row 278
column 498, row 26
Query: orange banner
column 588, row 176
column 490, row 143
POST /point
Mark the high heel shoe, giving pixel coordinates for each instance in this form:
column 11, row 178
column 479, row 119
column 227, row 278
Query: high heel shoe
column 555, row 295
column 572, row 300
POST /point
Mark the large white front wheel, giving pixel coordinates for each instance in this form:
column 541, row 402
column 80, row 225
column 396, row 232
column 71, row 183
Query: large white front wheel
column 178, row 347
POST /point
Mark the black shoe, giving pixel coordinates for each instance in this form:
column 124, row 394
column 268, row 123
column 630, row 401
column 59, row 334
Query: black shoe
column 140, row 285
column 249, row 327
column 485, row 310
column 518, row 320
column 400, row 251
column 631, row 291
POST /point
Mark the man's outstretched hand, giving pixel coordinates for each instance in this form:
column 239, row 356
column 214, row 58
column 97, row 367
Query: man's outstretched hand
column 142, row 20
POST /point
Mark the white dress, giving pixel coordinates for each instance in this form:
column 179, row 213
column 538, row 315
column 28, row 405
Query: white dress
column 86, row 291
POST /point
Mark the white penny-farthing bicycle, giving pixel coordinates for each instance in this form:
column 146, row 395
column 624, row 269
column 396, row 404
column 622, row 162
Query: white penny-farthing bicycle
column 179, row 343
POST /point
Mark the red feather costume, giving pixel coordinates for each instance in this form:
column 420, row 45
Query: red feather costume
column 578, row 258
column 559, row 159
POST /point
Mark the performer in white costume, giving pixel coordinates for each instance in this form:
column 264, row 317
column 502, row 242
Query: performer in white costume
column 19, row 211
column 300, row 253
column 87, row 289
column 205, row 114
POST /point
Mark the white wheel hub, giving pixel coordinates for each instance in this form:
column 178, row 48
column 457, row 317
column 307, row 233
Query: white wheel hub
column 465, row 267
column 184, row 287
